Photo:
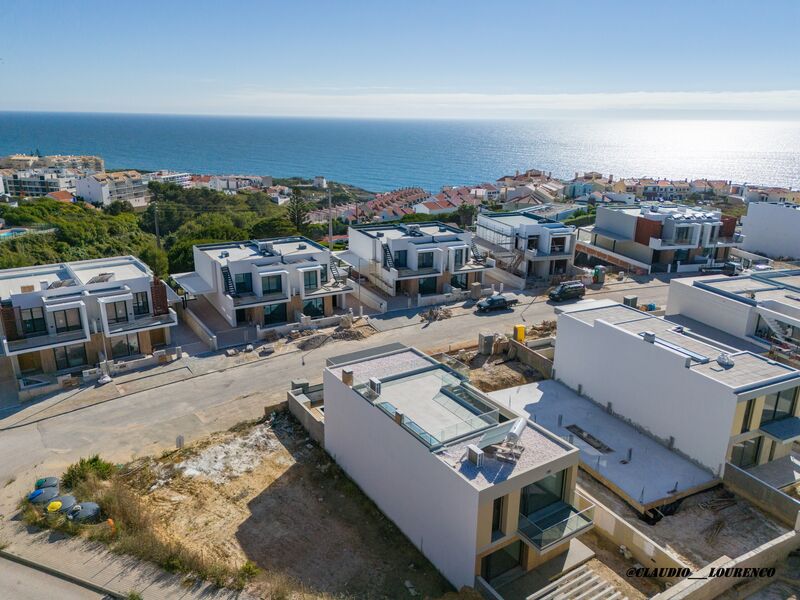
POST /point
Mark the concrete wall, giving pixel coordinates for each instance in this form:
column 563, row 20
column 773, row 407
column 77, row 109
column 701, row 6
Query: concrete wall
column 300, row 406
column 772, row 230
column 430, row 503
column 772, row 501
column 532, row 358
column 367, row 296
column 648, row 385
column 725, row 314
column 617, row 221
column 198, row 327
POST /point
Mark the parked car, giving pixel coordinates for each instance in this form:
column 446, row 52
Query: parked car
column 496, row 302
column 567, row 291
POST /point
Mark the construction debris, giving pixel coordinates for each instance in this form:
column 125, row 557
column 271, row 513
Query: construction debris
column 542, row 330
column 313, row 341
column 711, row 532
column 436, row 313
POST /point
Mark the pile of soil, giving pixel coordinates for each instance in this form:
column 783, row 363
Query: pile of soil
column 437, row 313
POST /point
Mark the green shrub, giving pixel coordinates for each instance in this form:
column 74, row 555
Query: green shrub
column 81, row 470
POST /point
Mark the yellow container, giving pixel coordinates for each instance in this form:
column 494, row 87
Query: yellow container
column 54, row 506
column 519, row 333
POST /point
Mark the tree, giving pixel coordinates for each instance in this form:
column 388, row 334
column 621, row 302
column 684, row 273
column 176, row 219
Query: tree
column 466, row 214
column 156, row 259
column 272, row 227
column 118, row 207
column 297, row 209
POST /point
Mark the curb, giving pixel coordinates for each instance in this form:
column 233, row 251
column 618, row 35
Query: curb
column 84, row 583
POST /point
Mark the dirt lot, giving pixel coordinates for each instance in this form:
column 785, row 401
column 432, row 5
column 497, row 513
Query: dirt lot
column 266, row 494
column 611, row 566
column 496, row 372
column 706, row 526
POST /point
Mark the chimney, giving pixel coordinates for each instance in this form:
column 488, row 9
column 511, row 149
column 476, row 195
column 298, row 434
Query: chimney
column 576, row 174
column 43, row 285
column 611, row 178
column 649, row 337
column 347, row 377
column 398, row 417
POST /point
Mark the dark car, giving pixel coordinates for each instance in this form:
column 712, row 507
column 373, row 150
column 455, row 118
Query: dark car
column 498, row 302
column 567, row 291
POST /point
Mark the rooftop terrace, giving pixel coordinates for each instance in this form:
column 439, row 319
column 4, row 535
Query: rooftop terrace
column 286, row 247
column 394, row 231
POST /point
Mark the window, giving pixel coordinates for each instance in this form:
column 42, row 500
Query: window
column 400, row 259
column 497, row 517
column 683, row 235
column 425, row 260
column 274, row 314
column 33, row 321
column 310, row 280
column 271, row 284
column 427, row 285
column 116, row 312
column 748, row 415
column 70, row 357
column 778, row 406
column 459, row 281
column 745, row 455
column 541, row 494
column 501, row 561
column 243, row 282
column 141, row 304
column 124, row 345
column 458, row 258
column 323, row 274
column 313, row 307
column 67, row 320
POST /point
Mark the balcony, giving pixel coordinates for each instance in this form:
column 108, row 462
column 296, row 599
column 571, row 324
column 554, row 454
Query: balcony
column 43, row 342
column 143, row 323
column 673, row 243
column 406, row 273
column 727, row 242
column 554, row 524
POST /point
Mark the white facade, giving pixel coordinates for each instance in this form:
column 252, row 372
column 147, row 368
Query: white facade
column 39, row 182
column 670, row 383
column 772, row 229
column 105, row 188
column 320, row 182
column 183, row 180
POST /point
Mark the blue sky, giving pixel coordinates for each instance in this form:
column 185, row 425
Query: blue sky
column 431, row 58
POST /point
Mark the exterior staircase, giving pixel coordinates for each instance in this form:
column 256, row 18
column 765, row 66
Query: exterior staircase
column 476, row 253
column 228, row 280
column 579, row 584
column 778, row 328
column 338, row 277
column 388, row 259
column 517, row 261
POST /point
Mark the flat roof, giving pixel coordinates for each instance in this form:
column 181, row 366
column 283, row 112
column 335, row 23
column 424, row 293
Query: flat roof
column 243, row 250
column 781, row 286
column 746, row 370
column 395, row 231
column 654, row 470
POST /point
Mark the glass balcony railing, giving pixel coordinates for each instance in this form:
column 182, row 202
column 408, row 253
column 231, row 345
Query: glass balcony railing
column 553, row 524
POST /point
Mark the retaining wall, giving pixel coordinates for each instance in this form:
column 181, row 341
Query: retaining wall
column 769, row 499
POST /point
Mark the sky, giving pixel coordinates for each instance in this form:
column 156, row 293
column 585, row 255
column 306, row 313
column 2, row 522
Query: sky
column 403, row 59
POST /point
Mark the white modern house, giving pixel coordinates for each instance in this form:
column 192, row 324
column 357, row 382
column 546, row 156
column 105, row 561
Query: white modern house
column 772, row 229
column 709, row 401
column 183, row 180
column 654, row 238
column 266, row 282
column 105, row 188
column 39, row 181
column 527, row 243
column 410, row 259
column 481, row 490
column 760, row 307
column 67, row 317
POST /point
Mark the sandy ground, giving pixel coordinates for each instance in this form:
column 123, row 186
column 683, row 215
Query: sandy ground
column 611, row 566
column 695, row 534
column 496, row 372
column 267, row 494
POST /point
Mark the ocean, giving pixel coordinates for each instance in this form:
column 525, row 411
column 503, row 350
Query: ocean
column 380, row 155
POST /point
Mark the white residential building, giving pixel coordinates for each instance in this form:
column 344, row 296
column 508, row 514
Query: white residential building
column 320, row 182
column 527, row 243
column 266, row 282
column 419, row 258
column 233, row 183
column 707, row 400
column 105, row 188
column 772, row 229
column 656, row 238
column 63, row 318
column 81, row 164
column 183, row 180
column 479, row 489
column 39, row 182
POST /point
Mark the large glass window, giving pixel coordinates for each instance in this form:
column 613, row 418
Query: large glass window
column 271, row 284
column 124, row 345
column 427, row 285
column 33, row 321
column 67, row 320
column 778, row 406
column 541, row 494
column 116, row 312
column 745, row 455
column 425, row 260
column 310, row 280
column 458, row 258
column 400, row 259
column 70, row 357
column 274, row 314
column 501, row 561
column 313, row 307
column 459, row 281
column 141, row 304
column 748, row 415
column 243, row 282
column 497, row 517
column 323, row 274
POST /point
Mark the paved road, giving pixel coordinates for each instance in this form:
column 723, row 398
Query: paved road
column 21, row 583
column 148, row 422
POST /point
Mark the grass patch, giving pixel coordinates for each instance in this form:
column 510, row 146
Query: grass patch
column 132, row 595
column 85, row 467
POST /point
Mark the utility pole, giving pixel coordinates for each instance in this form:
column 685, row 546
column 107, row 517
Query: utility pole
column 155, row 223
column 330, row 221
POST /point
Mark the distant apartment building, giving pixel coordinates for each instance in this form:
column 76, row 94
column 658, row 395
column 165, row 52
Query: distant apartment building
column 63, row 318
column 762, row 307
column 759, row 193
column 81, row 164
column 479, row 489
column 233, row 183
column 525, row 243
column 105, row 188
column 410, row 259
column 658, row 238
column 266, row 282
column 320, row 182
column 711, row 402
column 183, row 180
column 588, row 182
column 33, row 183
column 772, row 229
